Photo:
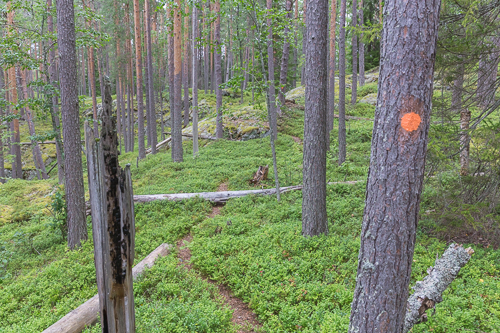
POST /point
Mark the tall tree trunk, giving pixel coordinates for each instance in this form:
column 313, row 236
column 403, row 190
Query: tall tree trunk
column 17, row 171
column 273, row 122
column 295, row 48
column 147, row 104
column 152, row 110
column 361, row 46
column 83, row 70
column 218, row 71
column 138, row 69
column 55, row 110
column 458, row 85
column 171, row 48
column 177, row 152
column 37, row 154
column 186, row 67
column 314, row 218
column 354, row 44
column 206, row 50
column 465, row 116
column 342, row 132
column 75, row 193
column 195, row 32
column 304, row 9
column 331, row 77
column 286, row 52
column 2, row 95
column 91, row 75
column 395, row 177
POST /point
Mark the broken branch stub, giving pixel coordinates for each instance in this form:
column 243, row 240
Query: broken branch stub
column 429, row 291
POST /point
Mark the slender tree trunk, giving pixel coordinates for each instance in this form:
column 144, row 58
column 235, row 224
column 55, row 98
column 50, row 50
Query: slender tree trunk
column 331, row 76
column 395, row 177
column 273, row 122
column 171, row 48
column 342, row 101
column 458, row 85
column 206, row 49
column 152, row 117
column 354, row 44
column 83, row 70
column 304, row 9
column 286, row 52
column 75, row 193
column 218, row 71
column 37, row 154
column 91, row 74
column 186, row 67
column 55, row 110
column 195, row 32
column 465, row 116
column 295, row 48
column 2, row 95
column 314, row 218
column 147, row 104
column 177, row 152
column 138, row 68
column 361, row 46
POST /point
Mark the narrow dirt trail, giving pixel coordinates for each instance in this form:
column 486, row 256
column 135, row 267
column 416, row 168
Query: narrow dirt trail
column 243, row 316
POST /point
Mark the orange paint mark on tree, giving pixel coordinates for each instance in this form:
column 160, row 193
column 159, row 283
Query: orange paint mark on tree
column 410, row 121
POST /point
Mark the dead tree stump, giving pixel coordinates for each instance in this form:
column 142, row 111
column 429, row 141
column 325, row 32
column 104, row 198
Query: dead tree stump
column 112, row 207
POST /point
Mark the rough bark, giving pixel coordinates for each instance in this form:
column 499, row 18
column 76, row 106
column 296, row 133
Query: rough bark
column 342, row 131
column 465, row 116
column 185, row 71
column 354, row 45
column 331, row 76
column 195, row 33
column 361, row 46
column 458, row 85
column 138, row 70
column 75, row 194
column 206, row 51
column 86, row 314
column 37, row 154
column 2, row 95
column 314, row 218
column 219, row 130
column 286, row 52
column 147, row 104
column 429, row 291
column 396, row 173
column 171, row 85
column 177, row 153
column 152, row 113
column 273, row 121
column 55, row 110
column 91, row 74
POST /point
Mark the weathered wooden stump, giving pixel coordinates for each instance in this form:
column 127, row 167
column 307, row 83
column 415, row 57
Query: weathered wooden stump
column 112, row 209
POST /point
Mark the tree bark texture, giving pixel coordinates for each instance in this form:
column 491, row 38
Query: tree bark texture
column 273, row 121
column 185, row 78
column 286, row 52
column 152, row 112
column 176, row 116
column 314, row 218
column 195, row 33
column 219, row 129
column 465, row 116
column 342, row 131
column 354, row 45
column 331, row 75
column 361, row 46
column 396, row 173
column 138, row 69
column 458, row 85
column 171, row 85
column 2, row 95
column 75, row 194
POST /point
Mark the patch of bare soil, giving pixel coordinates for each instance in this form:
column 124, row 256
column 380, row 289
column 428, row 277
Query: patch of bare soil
column 297, row 140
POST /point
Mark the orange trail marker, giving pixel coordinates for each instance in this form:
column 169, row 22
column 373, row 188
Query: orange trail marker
column 410, row 121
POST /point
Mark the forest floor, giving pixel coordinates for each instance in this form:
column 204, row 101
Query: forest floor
column 272, row 277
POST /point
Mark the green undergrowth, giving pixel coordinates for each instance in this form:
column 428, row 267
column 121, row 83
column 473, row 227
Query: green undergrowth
column 306, row 284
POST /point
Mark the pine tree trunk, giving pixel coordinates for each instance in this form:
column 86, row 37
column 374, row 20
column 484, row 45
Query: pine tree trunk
column 171, row 89
column 138, row 68
column 286, row 52
column 354, row 44
column 75, row 193
column 331, row 78
column 218, row 72
column 37, row 154
column 458, row 85
column 195, row 32
column 206, row 50
column 55, row 110
column 146, row 83
column 465, row 116
column 361, row 46
column 152, row 110
column 185, row 78
column 395, row 177
column 2, row 95
column 177, row 152
column 314, row 218
column 295, row 49
column 273, row 122
column 342, row 101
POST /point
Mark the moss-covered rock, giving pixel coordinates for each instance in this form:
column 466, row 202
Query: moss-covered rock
column 370, row 99
column 296, row 93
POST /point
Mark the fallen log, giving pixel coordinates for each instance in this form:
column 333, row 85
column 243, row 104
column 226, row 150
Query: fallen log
column 223, row 196
column 159, row 145
column 353, row 118
column 39, row 143
column 86, row 314
column 429, row 291
column 203, row 137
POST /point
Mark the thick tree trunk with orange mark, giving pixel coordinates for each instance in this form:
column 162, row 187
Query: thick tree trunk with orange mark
column 314, row 218
column 395, row 178
column 177, row 153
